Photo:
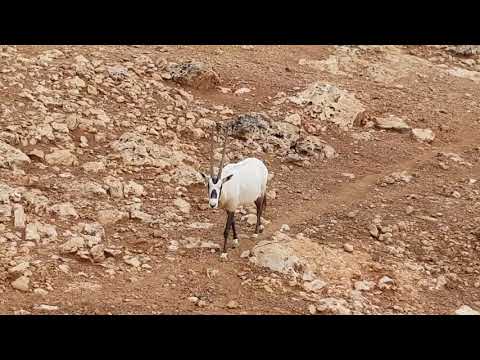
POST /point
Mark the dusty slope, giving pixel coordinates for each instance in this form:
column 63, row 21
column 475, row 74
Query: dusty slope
column 132, row 139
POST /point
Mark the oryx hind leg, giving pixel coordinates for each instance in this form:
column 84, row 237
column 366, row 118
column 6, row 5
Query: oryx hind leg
column 259, row 204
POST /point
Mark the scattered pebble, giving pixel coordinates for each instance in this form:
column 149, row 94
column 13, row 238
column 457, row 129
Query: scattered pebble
column 233, row 304
column 348, row 247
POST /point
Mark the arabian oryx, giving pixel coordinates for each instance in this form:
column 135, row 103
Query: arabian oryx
column 235, row 185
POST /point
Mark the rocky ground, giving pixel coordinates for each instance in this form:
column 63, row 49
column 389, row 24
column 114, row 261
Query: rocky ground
column 373, row 198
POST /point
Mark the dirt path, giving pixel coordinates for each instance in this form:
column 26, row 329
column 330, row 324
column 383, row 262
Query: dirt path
column 353, row 192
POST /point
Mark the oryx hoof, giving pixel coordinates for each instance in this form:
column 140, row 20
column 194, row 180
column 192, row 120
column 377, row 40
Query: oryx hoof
column 261, row 228
column 235, row 243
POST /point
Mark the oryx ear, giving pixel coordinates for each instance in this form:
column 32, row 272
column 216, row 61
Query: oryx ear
column 205, row 177
column 227, row 178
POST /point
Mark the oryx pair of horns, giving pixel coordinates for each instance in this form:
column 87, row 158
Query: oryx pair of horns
column 212, row 157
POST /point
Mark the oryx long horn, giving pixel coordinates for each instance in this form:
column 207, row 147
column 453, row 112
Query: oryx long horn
column 223, row 156
column 212, row 150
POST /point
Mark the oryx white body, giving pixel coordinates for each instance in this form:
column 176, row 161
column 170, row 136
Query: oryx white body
column 248, row 183
column 235, row 185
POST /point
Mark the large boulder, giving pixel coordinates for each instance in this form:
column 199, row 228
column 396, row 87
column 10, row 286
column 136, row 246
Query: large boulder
column 11, row 156
column 195, row 74
column 327, row 102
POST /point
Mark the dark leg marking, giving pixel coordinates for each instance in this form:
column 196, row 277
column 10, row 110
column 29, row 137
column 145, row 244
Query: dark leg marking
column 228, row 225
column 233, row 227
column 264, row 204
column 259, row 205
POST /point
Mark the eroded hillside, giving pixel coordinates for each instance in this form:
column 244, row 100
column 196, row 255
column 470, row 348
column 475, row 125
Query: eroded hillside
column 373, row 198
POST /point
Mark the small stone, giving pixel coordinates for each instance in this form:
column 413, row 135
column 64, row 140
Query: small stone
column 352, row 214
column 97, row 252
column 92, row 90
column 427, row 218
column 201, row 303
column 46, row 307
column 173, row 245
column 19, row 217
column 5, row 211
column 424, row 135
column 348, row 247
column 443, row 165
column 312, row 309
column 110, row 216
column 392, row 123
column 284, row 228
column 308, row 276
column 402, row 226
column 22, row 312
column 385, row 282
column 93, row 166
column 271, row 195
column 158, row 234
column 242, row 91
column 61, row 157
column 373, row 230
column 364, row 285
column 245, row 254
column 182, row 205
column 315, row 285
column 385, row 237
column 294, row 119
column 268, row 289
column 76, row 82
column 133, row 261
column 233, row 304
column 409, row 210
column 64, row 210
column 333, row 305
column 72, row 245
column 83, row 142
column 132, row 188
column 22, row 283
column 224, row 90
column 348, row 175
column 212, row 273
column 36, row 154
column 40, row 292
column 251, row 219
column 456, row 195
column 193, row 299
column 64, row 268
column 441, row 282
column 466, row 310
column 20, row 268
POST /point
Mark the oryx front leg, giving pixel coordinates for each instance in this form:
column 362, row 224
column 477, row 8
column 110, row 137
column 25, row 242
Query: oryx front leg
column 228, row 225
column 235, row 237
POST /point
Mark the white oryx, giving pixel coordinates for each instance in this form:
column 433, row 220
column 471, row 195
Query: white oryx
column 235, row 185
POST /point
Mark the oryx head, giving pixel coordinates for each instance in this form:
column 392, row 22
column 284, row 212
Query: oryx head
column 214, row 181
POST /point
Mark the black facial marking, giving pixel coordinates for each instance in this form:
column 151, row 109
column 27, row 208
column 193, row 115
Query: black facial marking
column 213, row 195
column 214, row 179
